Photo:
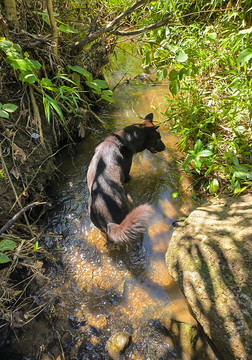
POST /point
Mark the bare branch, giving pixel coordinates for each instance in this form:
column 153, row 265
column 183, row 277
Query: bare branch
column 113, row 26
column 144, row 29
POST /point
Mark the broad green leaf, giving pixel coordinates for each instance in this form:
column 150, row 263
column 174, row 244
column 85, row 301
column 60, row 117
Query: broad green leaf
column 10, row 107
column 34, row 64
column 181, row 57
column 101, row 83
column 173, row 74
column 93, row 86
column 19, row 64
column 4, row 114
column 174, row 87
column 3, row 258
column 7, row 244
column 182, row 73
column 245, row 55
column 107, row 98
column 27, row 76
column 214, row 186
column 107, row 92
column 46, row 82
column 198, row 146
column 197, row 164
column 81, row 71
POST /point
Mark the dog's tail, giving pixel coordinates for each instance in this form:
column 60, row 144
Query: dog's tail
column 132, row 226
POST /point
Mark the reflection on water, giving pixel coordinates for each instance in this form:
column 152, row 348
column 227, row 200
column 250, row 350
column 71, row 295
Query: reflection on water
column 109, row 290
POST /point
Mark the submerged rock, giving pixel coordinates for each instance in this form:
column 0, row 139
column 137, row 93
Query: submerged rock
column 210, row 258
column 117, row 343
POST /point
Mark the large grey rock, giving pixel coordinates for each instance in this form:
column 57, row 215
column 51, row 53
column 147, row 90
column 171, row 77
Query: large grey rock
column 210, row 258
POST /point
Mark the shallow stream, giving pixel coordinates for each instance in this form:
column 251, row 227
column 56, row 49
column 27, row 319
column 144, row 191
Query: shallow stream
column 95, row 291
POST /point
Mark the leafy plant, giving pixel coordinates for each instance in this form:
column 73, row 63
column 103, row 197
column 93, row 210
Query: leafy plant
column 60, row 94
column 97, row 86
column 208, row 64
column 6, row 109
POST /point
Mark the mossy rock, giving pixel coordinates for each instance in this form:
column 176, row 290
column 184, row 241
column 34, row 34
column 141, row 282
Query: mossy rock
column 210, row 258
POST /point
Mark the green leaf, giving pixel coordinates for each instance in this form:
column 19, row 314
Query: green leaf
column 161, row 74
column 56, row 107
column 27, row 76
column 214, row 186
column 245, row 55
column 174, row 87
column 242, row 172
column 197, row 164
column 204, row 153
column 47, row 108
column 107, row 98
column 7, row 244
column 181, row 57
column 198, row 146
column 173, row 74
column 46, row 82
column 4, row 114
column 10, row 107
column 36, row 245
column 68, row 29
column 182, row 73
column 101, row 83
column 81, row 71
column 174, row 195
column 19, row 64
column 212, row 36
column 3, row 258
column 93, row 86
column 34, row 64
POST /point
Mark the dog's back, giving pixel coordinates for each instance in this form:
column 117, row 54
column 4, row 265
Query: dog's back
column 109, row 204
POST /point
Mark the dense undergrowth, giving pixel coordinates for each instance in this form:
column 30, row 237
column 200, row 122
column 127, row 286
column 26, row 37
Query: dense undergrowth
column 207, row 58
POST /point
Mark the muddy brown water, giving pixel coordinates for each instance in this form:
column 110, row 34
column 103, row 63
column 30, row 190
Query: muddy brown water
column 95, row 291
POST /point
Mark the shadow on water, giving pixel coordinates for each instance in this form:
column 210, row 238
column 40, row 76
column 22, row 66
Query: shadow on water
column 96, row 291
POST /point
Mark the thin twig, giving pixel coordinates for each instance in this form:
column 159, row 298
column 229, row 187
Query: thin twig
column 17, row 215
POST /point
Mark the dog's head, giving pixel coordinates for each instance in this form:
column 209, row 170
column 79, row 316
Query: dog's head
column 154, row 143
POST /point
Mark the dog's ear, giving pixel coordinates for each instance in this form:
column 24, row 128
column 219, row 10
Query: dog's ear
column 149, row 117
